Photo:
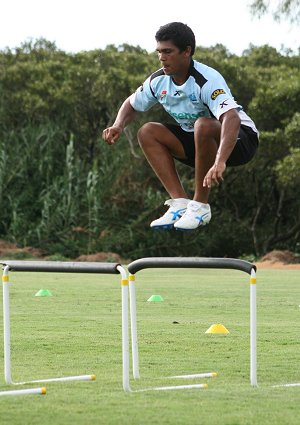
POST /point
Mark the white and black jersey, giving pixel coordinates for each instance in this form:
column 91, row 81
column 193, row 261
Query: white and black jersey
column 205, row 93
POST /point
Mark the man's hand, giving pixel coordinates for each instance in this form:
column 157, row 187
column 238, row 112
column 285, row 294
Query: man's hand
column 111, row 134
column 125, row 115
column 214, row 175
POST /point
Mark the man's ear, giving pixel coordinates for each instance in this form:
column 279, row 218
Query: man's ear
column 188, row 51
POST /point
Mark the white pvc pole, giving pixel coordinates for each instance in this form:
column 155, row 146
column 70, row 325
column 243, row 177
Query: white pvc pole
column 295, row 384
column 253, row 365
column 125, row 329
column 134, row 339
column 6, row 326
column 24, row 392
column 196, row 375
column 175, row 387
column 62, row 379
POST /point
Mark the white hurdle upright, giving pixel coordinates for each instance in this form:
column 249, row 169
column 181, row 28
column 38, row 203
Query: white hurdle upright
column 61, row 267
column 191, row 262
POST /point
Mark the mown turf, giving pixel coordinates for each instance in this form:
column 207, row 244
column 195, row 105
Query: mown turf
column 78, row 331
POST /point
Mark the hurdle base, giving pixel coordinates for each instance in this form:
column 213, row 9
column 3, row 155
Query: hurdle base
column 179, row 387
column 27, row 391
column 61, row 379
column 294, row 384
column 195, row 375
column 174, row 387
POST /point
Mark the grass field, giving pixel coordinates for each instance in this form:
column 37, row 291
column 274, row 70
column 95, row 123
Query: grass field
column 78, row 331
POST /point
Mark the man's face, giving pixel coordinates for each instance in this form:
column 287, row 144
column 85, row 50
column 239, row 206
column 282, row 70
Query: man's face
column 174, row 62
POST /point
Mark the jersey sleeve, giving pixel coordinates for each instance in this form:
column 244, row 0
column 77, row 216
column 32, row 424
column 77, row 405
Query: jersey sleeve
column 217, row 96
column 143, row 98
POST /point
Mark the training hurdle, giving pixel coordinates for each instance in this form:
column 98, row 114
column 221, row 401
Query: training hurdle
column 191, row 262
column 60, row 267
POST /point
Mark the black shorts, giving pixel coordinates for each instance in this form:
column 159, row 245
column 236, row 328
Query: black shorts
column 243, row 152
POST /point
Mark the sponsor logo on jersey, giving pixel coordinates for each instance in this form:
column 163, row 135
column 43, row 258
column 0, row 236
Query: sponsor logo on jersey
column 141, row 88
column 185, row 115
column 163, row 94
column 177, row 93
column 216, row 93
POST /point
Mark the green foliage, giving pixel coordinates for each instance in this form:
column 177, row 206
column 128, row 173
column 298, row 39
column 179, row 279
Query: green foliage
column 272, row 97
column 65, row 191
column 281, row 9
column 288, row 170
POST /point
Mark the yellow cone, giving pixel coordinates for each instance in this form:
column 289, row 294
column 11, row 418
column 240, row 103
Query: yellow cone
column 217, row 328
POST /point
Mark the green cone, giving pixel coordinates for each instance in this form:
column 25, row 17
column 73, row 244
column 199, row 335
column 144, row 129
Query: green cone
column 155, row 298
column 43, row 293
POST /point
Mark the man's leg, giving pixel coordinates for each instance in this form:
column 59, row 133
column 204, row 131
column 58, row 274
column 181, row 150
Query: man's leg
column 207, row 139
column 159, row 146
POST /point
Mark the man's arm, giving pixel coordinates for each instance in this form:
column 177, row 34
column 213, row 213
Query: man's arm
column 125, row 115
column 231, row 122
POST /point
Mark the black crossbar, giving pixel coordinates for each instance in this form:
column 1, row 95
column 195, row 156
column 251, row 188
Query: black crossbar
column 190, row 262
column 60, row 266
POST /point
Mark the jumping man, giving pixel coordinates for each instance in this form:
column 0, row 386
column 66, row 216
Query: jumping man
column 212, row 129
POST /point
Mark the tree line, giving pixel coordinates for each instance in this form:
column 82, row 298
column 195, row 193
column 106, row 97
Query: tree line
column 62, row 189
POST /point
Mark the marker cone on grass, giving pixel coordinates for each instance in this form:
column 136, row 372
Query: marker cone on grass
column 43, row 293
column 217, row 328
column 155, row 298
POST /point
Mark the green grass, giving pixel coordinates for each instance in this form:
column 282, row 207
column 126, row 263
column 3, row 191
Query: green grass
column 78, row 331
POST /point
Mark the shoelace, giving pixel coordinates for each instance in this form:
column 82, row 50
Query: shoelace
column 192, row 208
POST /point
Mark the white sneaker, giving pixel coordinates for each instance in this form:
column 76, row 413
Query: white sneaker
column 177, row 208
column 197, row 214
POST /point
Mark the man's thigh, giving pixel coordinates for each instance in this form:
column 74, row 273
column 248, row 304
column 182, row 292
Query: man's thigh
column 165, row 136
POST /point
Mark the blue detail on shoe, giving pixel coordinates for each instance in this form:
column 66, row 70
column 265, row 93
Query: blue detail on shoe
column 201, row 217
column 177, row 214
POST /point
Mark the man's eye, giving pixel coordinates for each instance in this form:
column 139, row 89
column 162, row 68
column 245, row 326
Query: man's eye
column 165, row 52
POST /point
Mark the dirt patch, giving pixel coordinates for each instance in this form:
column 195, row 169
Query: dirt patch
column 285, row 257
column 11, row 250
column 279, row 260
column 276, row 265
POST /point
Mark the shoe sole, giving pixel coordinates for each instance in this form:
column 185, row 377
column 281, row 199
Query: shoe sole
column 181, row 229
column 163, row 227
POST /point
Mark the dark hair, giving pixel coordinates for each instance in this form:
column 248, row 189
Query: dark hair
column 180, row 34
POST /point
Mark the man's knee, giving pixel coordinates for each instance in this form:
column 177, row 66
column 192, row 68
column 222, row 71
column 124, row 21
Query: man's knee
column 145, row 130
column 207, row 127
column 147, row 133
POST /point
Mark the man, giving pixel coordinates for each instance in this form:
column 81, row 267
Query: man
column 212, row 130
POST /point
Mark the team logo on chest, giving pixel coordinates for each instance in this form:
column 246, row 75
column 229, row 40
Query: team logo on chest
column 192, row 97
column 163, row 94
